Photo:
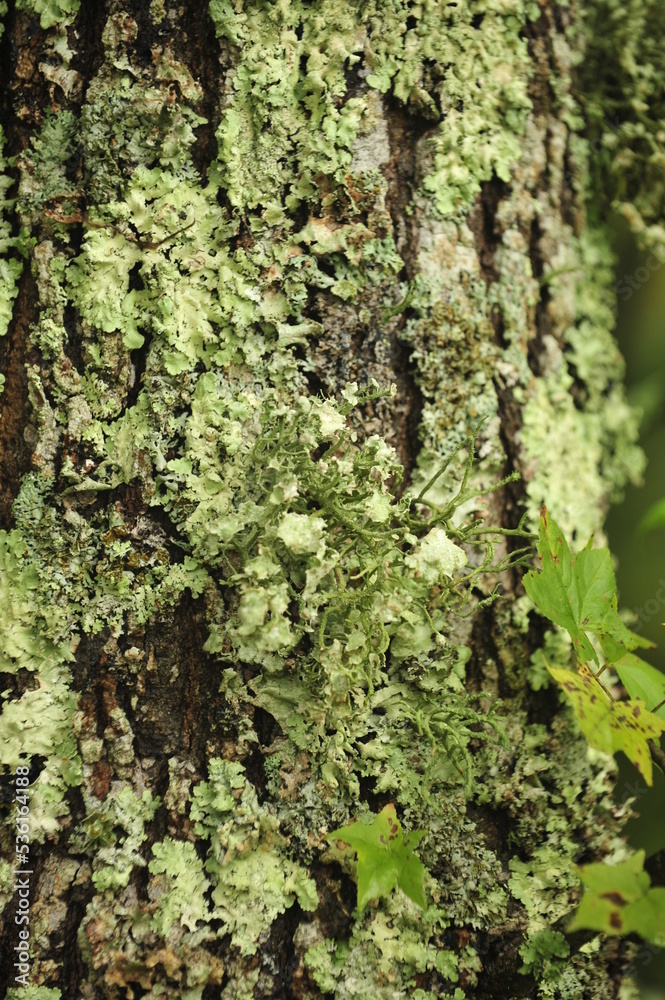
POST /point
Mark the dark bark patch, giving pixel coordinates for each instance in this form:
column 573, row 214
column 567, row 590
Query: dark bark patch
column 543, row 324
column 255, row 771
column 26, row 91
column 279, row 958
column 482, row 222
column 87, row 40
column 513, row 494
column 404, row 132
column 74, row 347
column 266, row 726
column 539, row 35
column 179, row 713
column 199, row 48
column 501, row 960
column 14, row 406
column 337, row 900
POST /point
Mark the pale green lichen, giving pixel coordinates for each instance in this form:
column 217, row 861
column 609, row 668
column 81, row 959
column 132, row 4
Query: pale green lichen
column 282, row 515
column 622, row 59
column 247, row 877
column 184, row 886
column 10, row 267
column 116, row 831
column 38, row 722
column 33, row 993
column 384, row 955
column 50, row 12
column 296, row 85
column 596, row 438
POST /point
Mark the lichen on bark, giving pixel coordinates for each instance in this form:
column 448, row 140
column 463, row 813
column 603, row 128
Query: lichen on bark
column 230, row 626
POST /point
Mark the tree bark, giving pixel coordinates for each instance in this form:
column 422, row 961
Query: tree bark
column 225, row 629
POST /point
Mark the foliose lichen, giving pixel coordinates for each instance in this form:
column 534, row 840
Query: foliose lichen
column 621, row 70
column 180, row 454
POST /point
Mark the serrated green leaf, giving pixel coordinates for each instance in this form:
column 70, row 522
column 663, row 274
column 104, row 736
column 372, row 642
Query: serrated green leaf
column 641, row 680
column 386, row 859
column 578, row 593
column 611, row 725
column 619, row 900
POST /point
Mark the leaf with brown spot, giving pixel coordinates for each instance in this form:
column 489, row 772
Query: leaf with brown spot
column 619, row 900
column 611, row 725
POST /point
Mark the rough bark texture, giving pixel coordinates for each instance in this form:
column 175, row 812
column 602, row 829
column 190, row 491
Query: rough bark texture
column 225, row 633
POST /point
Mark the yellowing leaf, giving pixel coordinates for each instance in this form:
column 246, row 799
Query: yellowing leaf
column 611, row 725
column 385, row 857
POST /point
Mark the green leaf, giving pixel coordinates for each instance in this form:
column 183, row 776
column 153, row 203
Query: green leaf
column 385, row 857
column 579, row 594
column 641, row 680
column 611, row 725
column 653, row 519
column 619, row 900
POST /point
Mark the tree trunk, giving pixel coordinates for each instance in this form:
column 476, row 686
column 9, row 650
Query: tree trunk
column 229, row 624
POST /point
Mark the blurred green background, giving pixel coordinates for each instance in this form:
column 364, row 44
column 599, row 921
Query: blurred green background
column 641, row 556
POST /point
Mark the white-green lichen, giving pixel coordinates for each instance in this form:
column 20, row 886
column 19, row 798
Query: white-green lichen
column 11, row 266
column 50, row 12
column 247, row 876
column 38, row 722
column 621, row 57
column 384, row 955
column 33, row 993
column 597, row 438
column 116, row 831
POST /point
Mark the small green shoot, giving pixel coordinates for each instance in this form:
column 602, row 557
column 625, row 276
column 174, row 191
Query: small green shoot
column 385, row 857
column 578, row 593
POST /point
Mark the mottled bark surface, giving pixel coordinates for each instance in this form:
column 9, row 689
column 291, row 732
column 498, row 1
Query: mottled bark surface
column 227, row 631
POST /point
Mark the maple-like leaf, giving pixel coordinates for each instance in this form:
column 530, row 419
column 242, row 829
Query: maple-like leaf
column 611, row 725
column 578, row 592
column 385, row 857
column 641, row 680
column 619, row 900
